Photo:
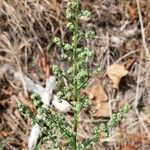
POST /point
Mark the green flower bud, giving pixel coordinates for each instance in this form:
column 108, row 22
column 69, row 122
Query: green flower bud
column 70, row 15
column 43, row 129
column 67, row 96
column 72, row 5
column 82, row 55
column 56, row 39
column 37, row 103
column 76, row 37
column 56, row 70
column 119, row 116
column 77, row 107
column 41, row 110
column 46, row 138
column 89, row 34
column 86, row 103
column 35, row 96
column 64, row 56
column 21, row 108
column 58, row 84
column 58, row 42
column 70, row 70
column 69, row 58
column 82, row 74
column 67, row 46
column 90, row 53
column 71, row 26
column 85, row 13
column 126, row 108
column 79, row 50
column 60, row 93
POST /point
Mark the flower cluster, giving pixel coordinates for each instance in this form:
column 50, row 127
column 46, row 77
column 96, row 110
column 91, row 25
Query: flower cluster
column 103, row 128
column 113, row 122
column 78, row 72
column 45, row 121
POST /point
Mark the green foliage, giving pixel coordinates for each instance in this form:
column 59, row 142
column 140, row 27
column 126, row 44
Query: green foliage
column 25, row 111
column 1, row 147
column 77, row 75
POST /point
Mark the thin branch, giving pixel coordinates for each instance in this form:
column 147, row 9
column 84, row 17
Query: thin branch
column 142, row 30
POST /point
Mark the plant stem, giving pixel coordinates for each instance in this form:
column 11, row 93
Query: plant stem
column 76, row 91
column 76, row 99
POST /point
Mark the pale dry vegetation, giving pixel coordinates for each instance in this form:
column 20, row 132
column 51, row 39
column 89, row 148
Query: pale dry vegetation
column 122, row 37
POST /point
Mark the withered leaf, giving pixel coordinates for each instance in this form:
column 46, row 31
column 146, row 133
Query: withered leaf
column 133, row 14
column 115, row 72
column 128, row 147
column 127, row 64
column 99, row 100
column 139, row 138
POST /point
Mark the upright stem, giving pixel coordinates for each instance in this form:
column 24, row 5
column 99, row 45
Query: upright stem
column 76, row 91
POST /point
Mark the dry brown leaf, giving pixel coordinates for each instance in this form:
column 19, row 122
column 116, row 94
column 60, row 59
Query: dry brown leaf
column 128, row 147
column 129, row 63
column 99, row 100
column 139, row 138
column 132, row 11
column 115, row 72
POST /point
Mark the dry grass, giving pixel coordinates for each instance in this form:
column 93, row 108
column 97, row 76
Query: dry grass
column 26, row 31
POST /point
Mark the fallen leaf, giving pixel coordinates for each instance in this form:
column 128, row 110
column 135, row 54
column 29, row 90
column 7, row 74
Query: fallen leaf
column 132, row 12
column 128, row 147
column 99, row 98
column 115, row 72
column 127, row 64
column 139, row 138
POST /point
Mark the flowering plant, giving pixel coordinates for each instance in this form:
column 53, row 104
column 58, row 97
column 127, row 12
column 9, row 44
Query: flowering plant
column 49, row 124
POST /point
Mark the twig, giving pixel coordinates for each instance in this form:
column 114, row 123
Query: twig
column 126, row 55
column 142, row 30
column 137, row 99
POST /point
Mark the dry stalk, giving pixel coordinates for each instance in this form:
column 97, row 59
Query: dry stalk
column 142, row 30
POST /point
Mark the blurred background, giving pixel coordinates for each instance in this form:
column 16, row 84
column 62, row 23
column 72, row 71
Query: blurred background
column 122, row 28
